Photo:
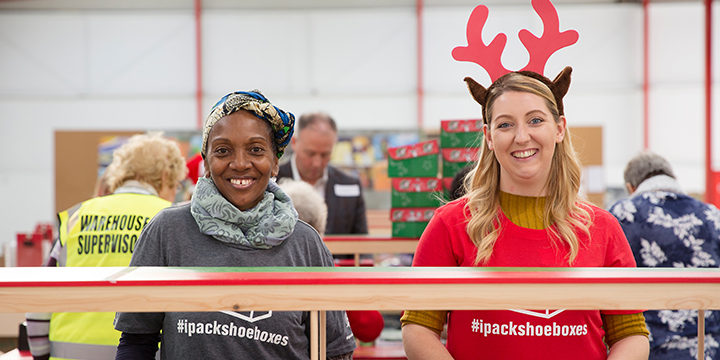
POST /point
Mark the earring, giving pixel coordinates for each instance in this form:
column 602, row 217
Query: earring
column 273, row 178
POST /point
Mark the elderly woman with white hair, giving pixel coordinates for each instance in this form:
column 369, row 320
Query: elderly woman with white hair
column 103, row 231
column 366, row 325
column 310, row 207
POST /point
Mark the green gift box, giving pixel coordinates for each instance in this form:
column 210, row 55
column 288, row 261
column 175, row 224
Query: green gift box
column 461, row 133
column 456, row 159
column 408, row 229
column 410, row 222
column 416, row 160
column 416, row 192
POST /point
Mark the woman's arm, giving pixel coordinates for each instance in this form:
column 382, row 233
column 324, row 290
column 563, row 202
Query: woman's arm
column 634, row 347
column 38, row 324
column 347, row 356
column 422, row 343
column 137, row 346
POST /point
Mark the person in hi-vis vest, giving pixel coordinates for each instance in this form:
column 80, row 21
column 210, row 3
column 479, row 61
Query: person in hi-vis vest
column 103, row 231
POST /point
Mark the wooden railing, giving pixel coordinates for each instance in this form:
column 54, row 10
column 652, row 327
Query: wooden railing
column 321, row 289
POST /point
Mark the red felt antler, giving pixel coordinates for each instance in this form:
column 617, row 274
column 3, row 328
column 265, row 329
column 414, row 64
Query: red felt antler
column 487, row 56
column 552, row 40
column 540, row 49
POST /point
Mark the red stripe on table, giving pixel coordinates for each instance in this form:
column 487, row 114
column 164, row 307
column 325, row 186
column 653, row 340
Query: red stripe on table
column 149, row 276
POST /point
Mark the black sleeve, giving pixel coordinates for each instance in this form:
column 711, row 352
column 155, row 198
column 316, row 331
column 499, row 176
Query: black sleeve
column 360, row 226
column 137, row 346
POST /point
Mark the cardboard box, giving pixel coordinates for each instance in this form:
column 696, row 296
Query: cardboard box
column 416, row 160
column 416, row 192
column 380, row 179
column 408, row 229
column 461, row 133
column 455, row 159
column 587, row 142
column 410, row 222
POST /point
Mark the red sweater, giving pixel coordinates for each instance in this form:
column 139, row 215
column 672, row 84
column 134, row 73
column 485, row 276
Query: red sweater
column 523, row 334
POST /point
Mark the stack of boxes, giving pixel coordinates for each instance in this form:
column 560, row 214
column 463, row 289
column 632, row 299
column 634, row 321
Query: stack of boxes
column 416, row 188
column 460, row 141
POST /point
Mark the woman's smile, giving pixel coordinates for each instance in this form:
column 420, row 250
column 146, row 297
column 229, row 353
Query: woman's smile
column 524, row 154
column 241, row 183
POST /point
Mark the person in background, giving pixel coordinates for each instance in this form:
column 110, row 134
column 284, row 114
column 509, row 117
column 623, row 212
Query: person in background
column 237, row 217
column 522, row 209
column 101, row 185
column 365, row 325
column 309, row 205
column 312, row 148
column 196, row 168
column 457, row 186
column 668, row 228
column 103, row 231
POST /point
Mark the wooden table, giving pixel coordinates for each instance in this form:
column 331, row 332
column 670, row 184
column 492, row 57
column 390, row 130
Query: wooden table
column 368, row 244
column 385, row 352
column 321, row 289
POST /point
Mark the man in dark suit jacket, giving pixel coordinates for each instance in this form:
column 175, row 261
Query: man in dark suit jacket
column 315, row 136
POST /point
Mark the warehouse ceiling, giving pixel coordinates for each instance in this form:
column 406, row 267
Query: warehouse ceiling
column 268, row 4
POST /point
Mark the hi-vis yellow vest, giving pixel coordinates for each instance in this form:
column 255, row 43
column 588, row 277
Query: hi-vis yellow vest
column 99, row 232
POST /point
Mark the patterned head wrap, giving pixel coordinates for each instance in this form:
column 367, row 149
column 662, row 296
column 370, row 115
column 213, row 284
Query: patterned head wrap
column 280, row 121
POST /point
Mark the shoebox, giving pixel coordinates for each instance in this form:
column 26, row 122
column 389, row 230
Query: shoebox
column 461, row 133
column 415, row 160
column 455, row 159
column 416, row 192
column 410, row 222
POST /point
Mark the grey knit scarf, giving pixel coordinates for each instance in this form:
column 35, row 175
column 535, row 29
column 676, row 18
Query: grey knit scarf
column 266, row 225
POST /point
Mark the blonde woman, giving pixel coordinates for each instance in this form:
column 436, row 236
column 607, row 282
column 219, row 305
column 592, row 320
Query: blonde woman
column 522, row 209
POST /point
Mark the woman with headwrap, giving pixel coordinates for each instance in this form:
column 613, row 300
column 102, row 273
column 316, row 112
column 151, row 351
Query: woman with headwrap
column 238, row 216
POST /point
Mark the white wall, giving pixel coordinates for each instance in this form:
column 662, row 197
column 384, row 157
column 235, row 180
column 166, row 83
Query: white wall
column 677, row 102
column 135, row 69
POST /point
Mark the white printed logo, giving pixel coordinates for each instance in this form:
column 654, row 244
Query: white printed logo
column 252, row 318
column 546, row 315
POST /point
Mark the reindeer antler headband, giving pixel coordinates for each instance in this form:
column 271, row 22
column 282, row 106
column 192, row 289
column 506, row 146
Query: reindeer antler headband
column 540, row 49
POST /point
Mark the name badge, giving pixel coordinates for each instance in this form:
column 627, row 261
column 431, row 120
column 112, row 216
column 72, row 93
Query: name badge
column 342, row 190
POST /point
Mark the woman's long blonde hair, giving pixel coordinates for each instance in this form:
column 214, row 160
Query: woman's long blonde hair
column 563, row 204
